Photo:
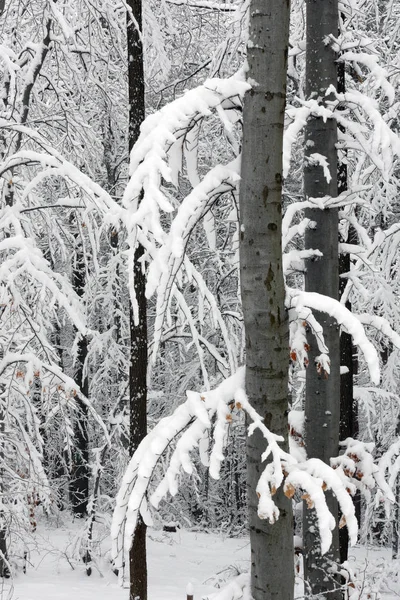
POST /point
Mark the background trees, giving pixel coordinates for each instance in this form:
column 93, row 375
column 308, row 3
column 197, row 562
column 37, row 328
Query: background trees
column 74, row 214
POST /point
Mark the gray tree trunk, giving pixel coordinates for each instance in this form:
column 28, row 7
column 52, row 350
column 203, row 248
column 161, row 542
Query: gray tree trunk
column 322, row 403
column 265, row 318
column 138, row 331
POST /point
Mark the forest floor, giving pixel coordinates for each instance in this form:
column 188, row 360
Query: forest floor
column 207, row 561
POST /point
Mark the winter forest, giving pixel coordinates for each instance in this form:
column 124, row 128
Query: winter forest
column 199, row 299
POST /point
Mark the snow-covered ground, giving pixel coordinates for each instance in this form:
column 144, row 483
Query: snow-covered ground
column 175, row 559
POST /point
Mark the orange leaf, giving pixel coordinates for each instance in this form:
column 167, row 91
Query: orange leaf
column 354, row 457
column 289, row 490
column 307, row 498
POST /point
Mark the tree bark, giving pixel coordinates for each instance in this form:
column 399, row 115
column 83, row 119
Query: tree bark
column 79, row 483
column 262, row 286
column 348, row 406
column 138, row 331
column 322, row 402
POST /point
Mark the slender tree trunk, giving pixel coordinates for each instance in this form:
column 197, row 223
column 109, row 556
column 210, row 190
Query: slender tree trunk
column 322, row 403
column 348, row 406
column 4, row 570
column 262, row 286
column 138, row 365
column 79, row 484
column 396, row 515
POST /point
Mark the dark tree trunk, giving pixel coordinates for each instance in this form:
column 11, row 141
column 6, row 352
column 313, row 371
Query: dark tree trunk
column 138, row 366
column 265, row 318
column 348, row 406
column 396, row 515
column 4, row 570
column 79, row 484
column 322, row 391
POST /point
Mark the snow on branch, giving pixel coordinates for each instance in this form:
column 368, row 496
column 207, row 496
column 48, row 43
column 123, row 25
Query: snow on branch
column 191, row 423
column 206, row 4
column 374, row 137
column 371, row 61
column 57, row 165
column 35, row 363
column 349, row 197
column 237, row 589
column 382, row 325
column 343, row 317
column 168, row 138
column 158, row 152
column 389, row 466
column 25, row 258
column 170, row 256
column 356, row 466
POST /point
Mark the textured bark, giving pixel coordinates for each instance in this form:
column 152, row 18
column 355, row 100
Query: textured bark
column 322, row 276
column 138, row 366
column 262, row 285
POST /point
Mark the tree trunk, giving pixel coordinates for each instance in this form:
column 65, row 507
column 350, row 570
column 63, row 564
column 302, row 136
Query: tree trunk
column 348, row 406
column 396, row 511
column 322, row 403
column 262, row 286
column 138, row 365
column 4, row 569
column 79, row 484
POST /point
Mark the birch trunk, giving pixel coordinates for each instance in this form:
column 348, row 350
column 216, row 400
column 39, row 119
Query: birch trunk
column 265, row 318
